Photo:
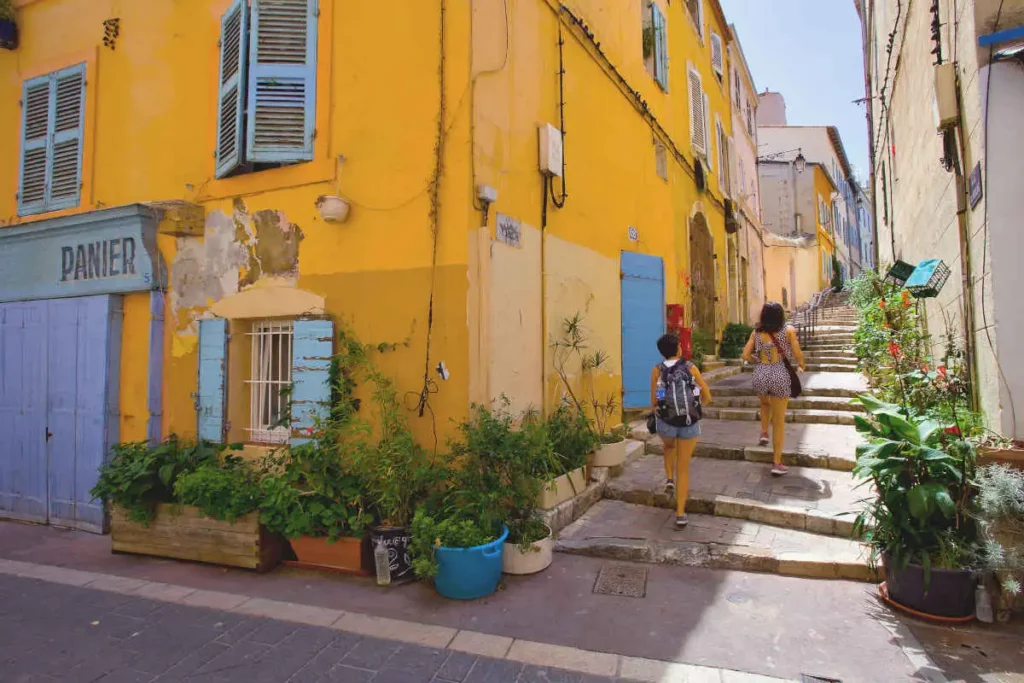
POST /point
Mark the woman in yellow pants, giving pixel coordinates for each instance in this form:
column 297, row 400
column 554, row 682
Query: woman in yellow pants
column 770, row 342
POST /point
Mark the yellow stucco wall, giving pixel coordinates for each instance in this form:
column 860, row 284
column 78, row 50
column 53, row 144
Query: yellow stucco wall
column 151, row 117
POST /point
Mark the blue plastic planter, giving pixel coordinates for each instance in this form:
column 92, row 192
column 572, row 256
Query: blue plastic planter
column 469, row 573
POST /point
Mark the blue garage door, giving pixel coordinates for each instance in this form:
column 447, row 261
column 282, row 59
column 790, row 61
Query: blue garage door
column 59, row 363
column 643, row 311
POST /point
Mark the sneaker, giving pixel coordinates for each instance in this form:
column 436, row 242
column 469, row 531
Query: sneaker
column 763, row 441
column 670, row 486
column 779, row 470
column 681, row 522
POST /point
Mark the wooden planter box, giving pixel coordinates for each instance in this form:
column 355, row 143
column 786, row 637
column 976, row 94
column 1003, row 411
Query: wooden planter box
column 1014, row 457
column 346, row 555
column 561, row 489
column 182, row 533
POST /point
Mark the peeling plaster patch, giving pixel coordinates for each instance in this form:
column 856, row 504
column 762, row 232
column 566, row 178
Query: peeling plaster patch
column 274, row 249
column 207, row 270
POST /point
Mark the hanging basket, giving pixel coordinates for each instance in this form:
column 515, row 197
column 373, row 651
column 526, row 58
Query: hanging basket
column 899, row 273
column 928, row 279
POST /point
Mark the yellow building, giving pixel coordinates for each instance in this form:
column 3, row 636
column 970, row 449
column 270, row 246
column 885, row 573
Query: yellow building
column 199, row 192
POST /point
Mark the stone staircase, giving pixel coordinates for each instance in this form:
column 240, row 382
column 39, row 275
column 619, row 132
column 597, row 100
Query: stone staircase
column 740, row 516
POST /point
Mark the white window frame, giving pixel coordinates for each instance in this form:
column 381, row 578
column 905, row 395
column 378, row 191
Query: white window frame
column 696, row 99
column 719, row 67
column 264, row 361
column 697, row 21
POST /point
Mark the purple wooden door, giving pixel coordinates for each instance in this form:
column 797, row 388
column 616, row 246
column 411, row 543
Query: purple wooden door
column 23, row 411
column 59, row 375
column 82, row 386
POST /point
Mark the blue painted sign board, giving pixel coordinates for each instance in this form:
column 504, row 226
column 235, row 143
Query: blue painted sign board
column 111, row 251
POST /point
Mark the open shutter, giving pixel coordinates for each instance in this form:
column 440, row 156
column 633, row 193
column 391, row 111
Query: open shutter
column 282, row 81
column 697, row 136
column 700, row 19
column 234, row 49
column 722, row 157
column 717, row 61
column 660, row 47
column 213, row 351
column 65, row 186
column 35, row 148
column 312, row 348
column 707, row 131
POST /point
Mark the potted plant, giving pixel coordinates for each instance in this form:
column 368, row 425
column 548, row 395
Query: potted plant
column 999, row 507
column 998, row 450
column 918, row 523
column 575, row 360
column 186, row 500
column 8, row 27
column 310, row 497
column 461, row 553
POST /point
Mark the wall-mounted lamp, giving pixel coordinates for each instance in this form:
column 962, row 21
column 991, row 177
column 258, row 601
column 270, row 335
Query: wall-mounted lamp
column 800, row 163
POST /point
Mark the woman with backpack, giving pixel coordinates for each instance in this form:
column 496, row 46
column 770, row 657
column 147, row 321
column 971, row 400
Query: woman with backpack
column 775, row 345
column 677, row 392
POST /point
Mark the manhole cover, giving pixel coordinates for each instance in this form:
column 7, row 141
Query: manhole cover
column 624, row 580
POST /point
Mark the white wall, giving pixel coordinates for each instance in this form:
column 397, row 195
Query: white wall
column 772, row 109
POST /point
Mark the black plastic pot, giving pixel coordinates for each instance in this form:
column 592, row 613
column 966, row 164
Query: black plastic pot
column 8, row 34
column 950, row 591
column 396, row 540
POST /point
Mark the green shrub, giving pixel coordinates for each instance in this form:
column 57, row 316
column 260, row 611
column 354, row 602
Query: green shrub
column 734, row 338
column 224, row 492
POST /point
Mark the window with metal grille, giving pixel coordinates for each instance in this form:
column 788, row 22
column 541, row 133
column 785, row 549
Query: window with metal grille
column 270, row 379
column 267, row 87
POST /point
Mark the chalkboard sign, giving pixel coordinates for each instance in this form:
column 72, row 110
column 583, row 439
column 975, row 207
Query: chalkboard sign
column 975, row 181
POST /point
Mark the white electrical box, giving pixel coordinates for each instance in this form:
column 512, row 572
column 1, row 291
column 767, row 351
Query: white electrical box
column 550, row 150
column 947, row 113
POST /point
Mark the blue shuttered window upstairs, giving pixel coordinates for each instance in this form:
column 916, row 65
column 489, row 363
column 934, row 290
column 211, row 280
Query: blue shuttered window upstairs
column 267, row 87
column 52, row 132
column 660, row 47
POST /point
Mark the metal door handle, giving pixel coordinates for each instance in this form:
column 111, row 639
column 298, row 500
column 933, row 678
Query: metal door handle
column 49, row 434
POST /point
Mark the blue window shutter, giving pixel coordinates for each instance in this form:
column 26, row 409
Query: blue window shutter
column 35, row 145
column 312, row 348
column 660, row 47
column 213, row 351
column 234, row 49
column 281, row 111
column 65, row 183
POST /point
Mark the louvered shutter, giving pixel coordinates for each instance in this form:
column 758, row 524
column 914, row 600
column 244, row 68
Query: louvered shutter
column 312, row 348
column 697, row 136
column 723, row 156
column 707, row 131
column 716, row 54
column 213, row 351
column 35, row 145
column 660, row 47
column 282, row 81
column 234, row 50
column 65, row 187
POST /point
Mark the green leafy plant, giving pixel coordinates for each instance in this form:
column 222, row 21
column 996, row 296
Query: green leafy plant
column 703, row 345
column 572, row 439
column 921, row 473
column 999, row 507
column 225, row 492
column 577, row 367
column 837, row 273
column 648, row 41
column 454, row 531
column 734, row 338
column 139, row 476
column 7, row 12
column 308, row 491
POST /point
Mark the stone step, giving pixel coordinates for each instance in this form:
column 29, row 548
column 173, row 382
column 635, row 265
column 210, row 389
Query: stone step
column 722, row 373
column 835, row 355
column 805, row 499
column 821, row 446
column 831, row 367
column 809, row 392
column 846, row 384
column 637, row 533
column 713, row 365
column 802, row 416
column 802, row 403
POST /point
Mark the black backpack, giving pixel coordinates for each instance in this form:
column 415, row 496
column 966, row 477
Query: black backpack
column 681, row 405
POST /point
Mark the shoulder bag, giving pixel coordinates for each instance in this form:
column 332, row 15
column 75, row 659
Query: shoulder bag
column 795, row 387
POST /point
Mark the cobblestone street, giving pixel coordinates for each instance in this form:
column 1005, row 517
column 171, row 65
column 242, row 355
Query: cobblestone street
column 50, row 632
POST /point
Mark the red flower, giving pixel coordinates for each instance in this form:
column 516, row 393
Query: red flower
column 942, row 370
column 954, row 430
column 881, row 304
column 924, row 368
column 894, row 350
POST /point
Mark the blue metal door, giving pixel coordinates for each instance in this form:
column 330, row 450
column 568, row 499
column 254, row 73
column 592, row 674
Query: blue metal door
column 59, row 379
column 643, row 321
column 23, row 411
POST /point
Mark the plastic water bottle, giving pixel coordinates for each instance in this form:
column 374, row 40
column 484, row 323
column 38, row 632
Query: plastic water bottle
column 382, row 563
column 660, row 390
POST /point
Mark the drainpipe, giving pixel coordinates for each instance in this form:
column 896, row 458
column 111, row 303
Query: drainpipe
column 964, row 232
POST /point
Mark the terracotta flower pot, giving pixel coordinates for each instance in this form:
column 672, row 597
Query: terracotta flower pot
column 348, row 555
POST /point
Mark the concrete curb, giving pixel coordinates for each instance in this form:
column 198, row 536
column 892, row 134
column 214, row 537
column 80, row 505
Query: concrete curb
column 471, row 642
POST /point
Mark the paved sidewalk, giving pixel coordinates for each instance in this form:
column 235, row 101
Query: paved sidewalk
column 771, row 625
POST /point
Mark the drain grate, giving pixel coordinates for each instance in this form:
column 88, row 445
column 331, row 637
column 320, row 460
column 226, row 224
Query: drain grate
column 623, row 580
column 807, row 678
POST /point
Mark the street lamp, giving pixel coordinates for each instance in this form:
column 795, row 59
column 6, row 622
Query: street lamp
column 800, row 163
